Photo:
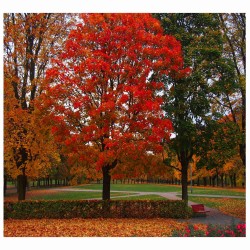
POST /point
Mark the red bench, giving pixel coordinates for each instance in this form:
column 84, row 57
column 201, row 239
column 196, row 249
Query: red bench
column 199, row 209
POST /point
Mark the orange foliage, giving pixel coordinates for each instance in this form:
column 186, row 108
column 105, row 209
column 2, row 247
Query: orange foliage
column 30, row 39
column 102, row 95
column 233, row 207
column 91, row 227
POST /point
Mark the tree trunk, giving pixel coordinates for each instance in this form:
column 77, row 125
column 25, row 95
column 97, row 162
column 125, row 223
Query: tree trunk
column 106, row 183
column 213, row 181
column 234, row 180
column 184, row 182
column 242, row 145
column 222, row 180
column 231, row 180
column 5, row 185
column 21, row 186
column 244, row 179
column 205, row 181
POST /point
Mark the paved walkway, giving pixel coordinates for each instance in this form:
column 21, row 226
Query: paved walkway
column 213, row 217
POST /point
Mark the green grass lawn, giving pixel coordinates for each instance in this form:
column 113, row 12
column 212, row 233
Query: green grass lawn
column 164, row 188
column 74, row 195
column 122, row 188
column 217, row 191
column 135, row 187
column 141, row 197
column 94, row 195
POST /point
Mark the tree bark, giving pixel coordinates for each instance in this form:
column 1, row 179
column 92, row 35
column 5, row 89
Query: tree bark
column 217, row 180
column 5, row 185
column 184, row 182
column 106, row 183
column 21, row 186
column 107, row 179
column 234, row 180
column 213, row 181
column 205, row 181
column 242, row 146
column 222, row 180
column 198, row 181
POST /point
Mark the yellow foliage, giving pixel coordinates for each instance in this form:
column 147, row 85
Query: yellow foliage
column 92, row 227
column 24, row 131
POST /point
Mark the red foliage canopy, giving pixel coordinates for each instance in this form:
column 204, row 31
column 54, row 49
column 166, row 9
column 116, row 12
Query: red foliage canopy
column 104, row 89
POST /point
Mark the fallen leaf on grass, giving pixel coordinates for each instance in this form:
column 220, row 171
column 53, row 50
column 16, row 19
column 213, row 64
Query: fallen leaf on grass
column 234, row 207
column 91, row 227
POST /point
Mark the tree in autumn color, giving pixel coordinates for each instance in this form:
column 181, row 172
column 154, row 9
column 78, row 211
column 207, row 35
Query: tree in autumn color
column 232, row 94
column 104, row 92
column 29, row 41
column 222, row 147
column 228, row 91
column 188, row 100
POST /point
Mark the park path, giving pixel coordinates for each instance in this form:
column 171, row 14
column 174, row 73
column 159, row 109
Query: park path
column 213, row 217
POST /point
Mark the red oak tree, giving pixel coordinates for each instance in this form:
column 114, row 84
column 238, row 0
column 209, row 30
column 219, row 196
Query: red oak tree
column 104, row 90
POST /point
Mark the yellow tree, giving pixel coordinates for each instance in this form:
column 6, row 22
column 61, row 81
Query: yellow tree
column 29, row 41
column 234, row 168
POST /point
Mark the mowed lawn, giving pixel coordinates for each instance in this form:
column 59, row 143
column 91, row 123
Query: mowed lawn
column 166, row 188
column 71, row 195
column 118, row 227
column 123, row 191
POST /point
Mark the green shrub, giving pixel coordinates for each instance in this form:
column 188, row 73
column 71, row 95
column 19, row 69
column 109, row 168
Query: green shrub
column 96, row 209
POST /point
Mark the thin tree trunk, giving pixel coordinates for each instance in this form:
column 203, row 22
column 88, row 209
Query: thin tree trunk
column 21, row 186
column 205, row 181
column 5, row 185
column 213, row 181
column 231, row 180
column 217, row 180
column 242, row 145
column 234, row 180
column 222, row 180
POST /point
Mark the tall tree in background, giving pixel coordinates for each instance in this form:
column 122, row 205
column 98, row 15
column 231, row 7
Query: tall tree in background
column 234, row 34
column 104, row 89
column 29, row 41
column 227, row 91
column 188, row 100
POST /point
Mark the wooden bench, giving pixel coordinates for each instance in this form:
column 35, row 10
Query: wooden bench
column 199, row 209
